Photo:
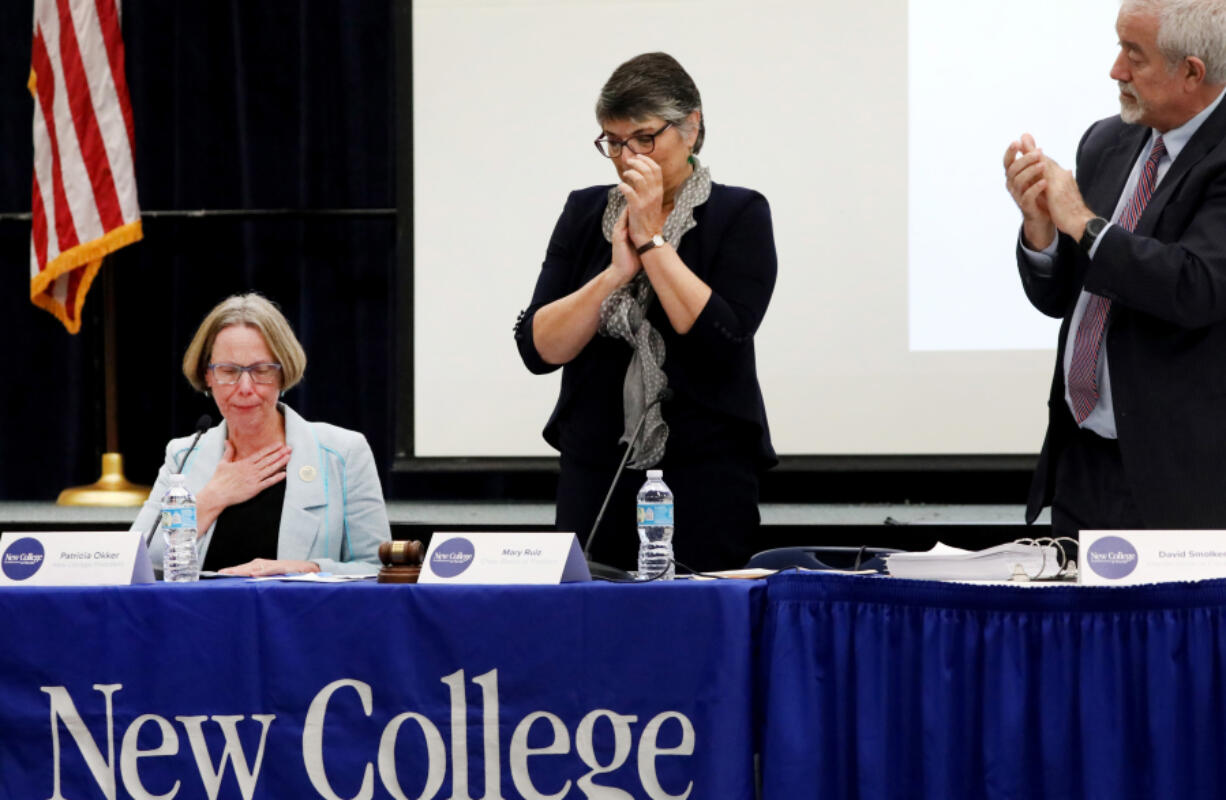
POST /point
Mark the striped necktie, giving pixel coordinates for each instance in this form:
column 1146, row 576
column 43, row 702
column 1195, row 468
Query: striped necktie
column 1083, row 370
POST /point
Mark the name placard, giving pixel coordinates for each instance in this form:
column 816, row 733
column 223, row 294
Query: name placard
column 73, row 558
column 1123, row 557
column 503, row 558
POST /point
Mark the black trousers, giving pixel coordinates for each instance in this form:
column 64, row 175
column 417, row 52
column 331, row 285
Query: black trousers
column 715, row 509
column 1092, row 490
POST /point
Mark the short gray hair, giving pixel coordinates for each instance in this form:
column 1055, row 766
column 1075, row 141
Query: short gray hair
column 652, row 85
column 1189, row 28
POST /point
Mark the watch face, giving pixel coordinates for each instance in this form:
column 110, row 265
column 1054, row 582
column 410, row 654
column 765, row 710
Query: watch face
column 1094, row 227
column 652, row 243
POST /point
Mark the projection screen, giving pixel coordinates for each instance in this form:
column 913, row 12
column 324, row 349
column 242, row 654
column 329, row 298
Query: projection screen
column 875, row 130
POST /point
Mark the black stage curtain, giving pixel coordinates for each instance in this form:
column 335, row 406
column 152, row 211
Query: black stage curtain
column 237, row 105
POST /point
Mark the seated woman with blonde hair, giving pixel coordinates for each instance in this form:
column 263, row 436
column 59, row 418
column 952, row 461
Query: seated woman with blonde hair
column 275, row 494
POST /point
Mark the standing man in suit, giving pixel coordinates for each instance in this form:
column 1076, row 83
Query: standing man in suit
column 1132, row 255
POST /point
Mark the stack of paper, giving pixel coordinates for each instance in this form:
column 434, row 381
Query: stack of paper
column 1002, row 563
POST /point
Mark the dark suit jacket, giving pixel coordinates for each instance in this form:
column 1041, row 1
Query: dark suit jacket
column 1167, row 337
column 717, row 402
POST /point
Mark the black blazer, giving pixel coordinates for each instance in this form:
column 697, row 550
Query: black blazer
column 717, row 401
column 1167, row 338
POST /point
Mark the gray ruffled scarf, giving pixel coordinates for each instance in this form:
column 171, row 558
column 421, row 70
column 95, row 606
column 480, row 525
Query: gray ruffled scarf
column 623, row 315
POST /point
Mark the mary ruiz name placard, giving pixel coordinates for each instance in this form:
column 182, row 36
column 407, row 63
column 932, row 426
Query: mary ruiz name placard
column 1128, row 557
column 510, row 557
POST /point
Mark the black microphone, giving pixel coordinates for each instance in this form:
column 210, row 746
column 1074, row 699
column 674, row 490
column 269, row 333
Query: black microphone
column 203, row 424
column 664, row 395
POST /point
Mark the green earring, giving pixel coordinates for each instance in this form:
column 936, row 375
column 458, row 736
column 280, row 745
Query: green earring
column 691, row 159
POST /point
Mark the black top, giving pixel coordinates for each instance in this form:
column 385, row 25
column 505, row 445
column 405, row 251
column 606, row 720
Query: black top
column 717, row 404
column 247, row 530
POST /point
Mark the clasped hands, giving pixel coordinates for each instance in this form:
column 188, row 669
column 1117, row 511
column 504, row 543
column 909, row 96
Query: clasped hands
column 1046, row 193
column 642, row 185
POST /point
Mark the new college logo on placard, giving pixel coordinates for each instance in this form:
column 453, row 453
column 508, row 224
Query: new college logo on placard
column 22, row 558
column 452, row 557
column 1112, row 557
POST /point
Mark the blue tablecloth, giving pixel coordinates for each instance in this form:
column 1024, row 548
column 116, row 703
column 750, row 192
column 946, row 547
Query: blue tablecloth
column 359, row 690
column 847, row 687
column 884, row 688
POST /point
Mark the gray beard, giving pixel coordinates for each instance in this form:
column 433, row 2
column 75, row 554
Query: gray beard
column 1131, row 112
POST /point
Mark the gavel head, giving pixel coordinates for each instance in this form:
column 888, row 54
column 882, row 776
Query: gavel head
column 403, row 552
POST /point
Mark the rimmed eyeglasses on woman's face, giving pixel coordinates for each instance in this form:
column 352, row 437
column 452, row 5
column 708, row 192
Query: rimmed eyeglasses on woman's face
column 640, row 143
column 230, row 374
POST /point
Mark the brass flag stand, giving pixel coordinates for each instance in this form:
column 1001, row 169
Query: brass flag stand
column 112, row 489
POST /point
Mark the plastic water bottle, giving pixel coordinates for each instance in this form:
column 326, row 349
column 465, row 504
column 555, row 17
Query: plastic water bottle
column 179, row 559
column 655, row 518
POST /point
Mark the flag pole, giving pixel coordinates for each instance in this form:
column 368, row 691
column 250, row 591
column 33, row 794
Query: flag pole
column 112, row 489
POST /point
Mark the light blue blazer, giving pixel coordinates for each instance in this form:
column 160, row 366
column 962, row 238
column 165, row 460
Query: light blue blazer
column 333, row 514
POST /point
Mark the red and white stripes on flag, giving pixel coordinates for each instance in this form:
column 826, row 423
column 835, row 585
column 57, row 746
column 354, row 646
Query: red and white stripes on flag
column 84, row 204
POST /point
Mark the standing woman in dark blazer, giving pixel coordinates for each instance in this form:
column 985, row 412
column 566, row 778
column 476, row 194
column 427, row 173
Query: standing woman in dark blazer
column 648, row 299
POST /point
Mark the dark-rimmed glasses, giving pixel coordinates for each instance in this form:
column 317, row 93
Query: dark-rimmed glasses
column 230, row 374
column 640, row 143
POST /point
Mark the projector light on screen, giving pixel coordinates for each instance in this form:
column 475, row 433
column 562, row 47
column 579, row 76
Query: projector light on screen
column 874, row 129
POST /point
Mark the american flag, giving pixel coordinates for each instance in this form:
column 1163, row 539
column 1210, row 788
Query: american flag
column 84, row 203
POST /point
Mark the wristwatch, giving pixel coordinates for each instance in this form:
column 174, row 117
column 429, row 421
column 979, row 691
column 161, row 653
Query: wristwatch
column 1093, row 228
column 655, row 241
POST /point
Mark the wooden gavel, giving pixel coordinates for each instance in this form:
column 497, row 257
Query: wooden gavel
column 401, row 561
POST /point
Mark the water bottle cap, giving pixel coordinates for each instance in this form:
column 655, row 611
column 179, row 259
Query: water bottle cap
column 655, row 474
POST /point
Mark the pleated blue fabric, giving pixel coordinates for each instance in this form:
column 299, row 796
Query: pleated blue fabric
column 886, row 688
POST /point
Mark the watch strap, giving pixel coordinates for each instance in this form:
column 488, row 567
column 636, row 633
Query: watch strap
column 653, row 242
